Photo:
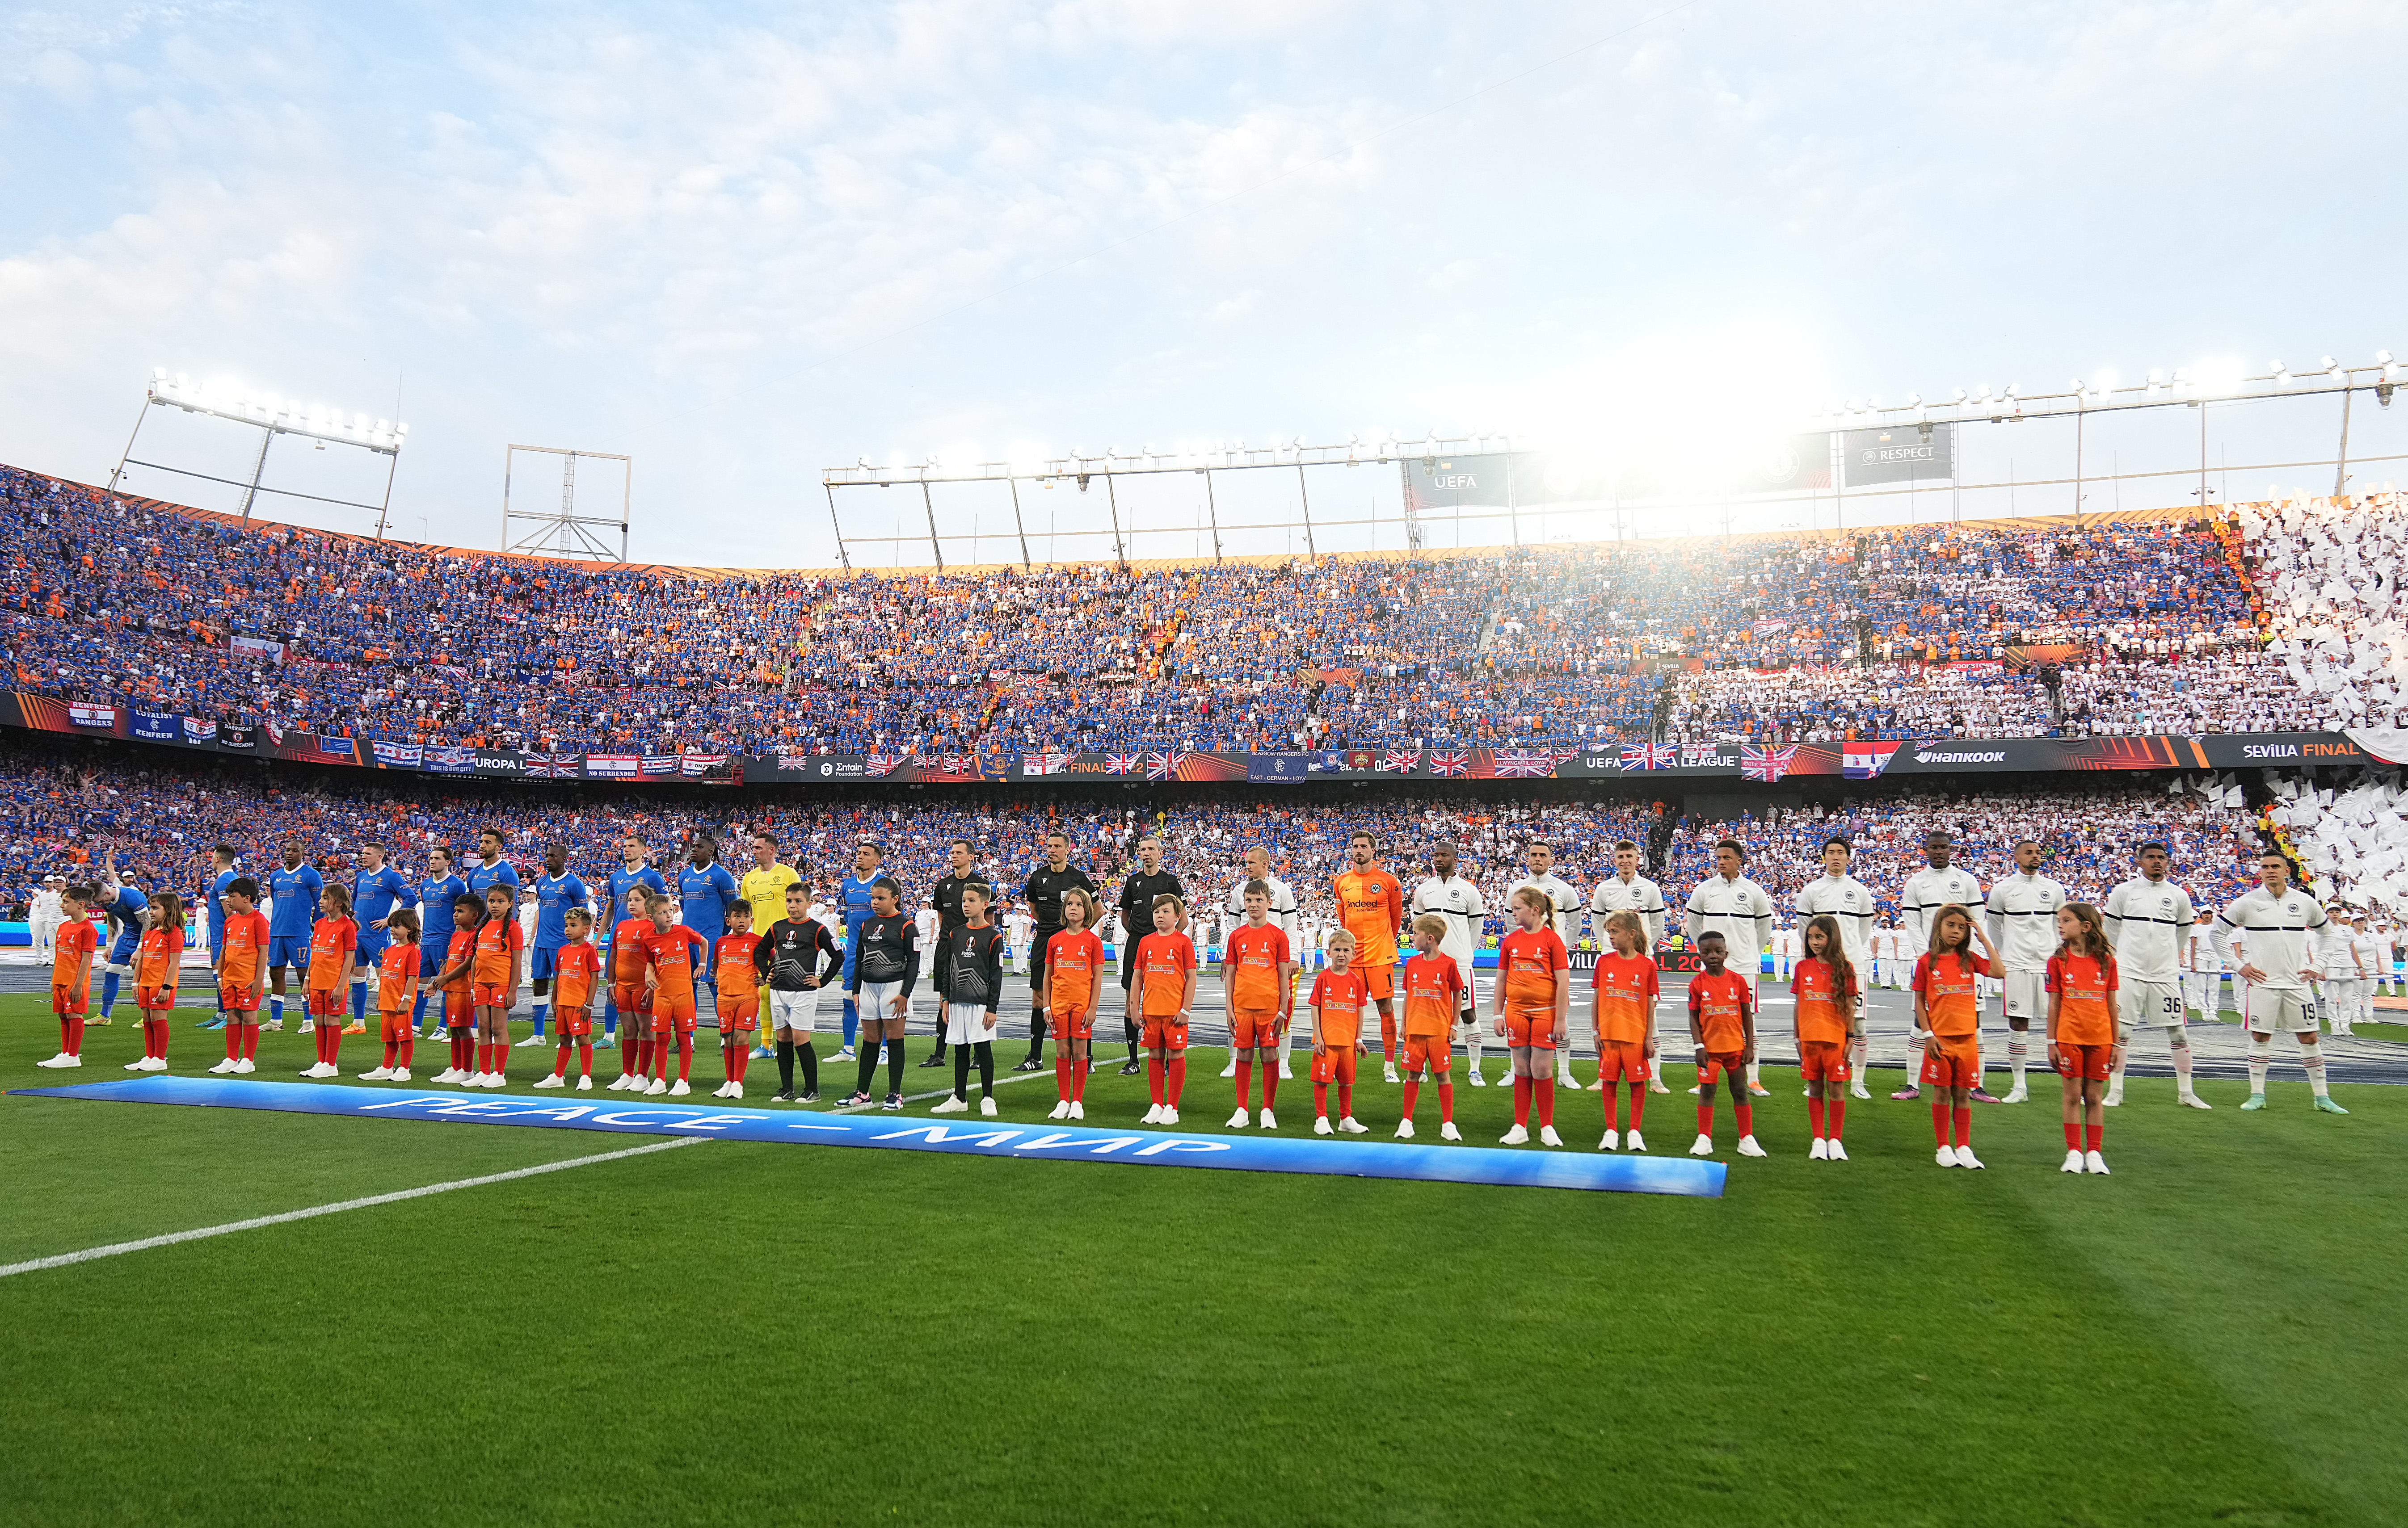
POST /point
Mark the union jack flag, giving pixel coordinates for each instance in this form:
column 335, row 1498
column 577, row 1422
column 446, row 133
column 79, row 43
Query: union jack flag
column 1449, row 764
column 1402, row 761
column 958, row 764
column 1043, row 764
column 1164, row 766
column 1650, row 756
column 1123, row 764
column 1526, row 765
column 883, row 764
column 551, row 767
column 1766, row 764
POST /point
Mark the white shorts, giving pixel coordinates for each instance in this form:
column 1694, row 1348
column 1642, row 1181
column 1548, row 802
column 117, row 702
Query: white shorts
column 2027, row 994
column 796, row 1012
column 877, row 1000
column 965, row 1024
column 2279, row 1010
column 2150, row 1004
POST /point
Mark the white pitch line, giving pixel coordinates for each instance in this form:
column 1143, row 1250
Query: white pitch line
column 115, row 1248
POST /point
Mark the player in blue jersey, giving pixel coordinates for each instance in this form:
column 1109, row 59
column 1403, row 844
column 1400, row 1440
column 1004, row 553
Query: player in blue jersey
column 852, row 900
column 375, row 890
column 222, row 874
column 629, row 884
column 489, row 869
column 123, row 904
column 704, row 888
column 437, row 894
column 293, row 891
column 556, row 890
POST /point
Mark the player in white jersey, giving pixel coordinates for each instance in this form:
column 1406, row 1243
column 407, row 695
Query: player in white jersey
column 1563, row 916
column 1939, row 883
column 1848, row 902
column 2022, row 919
column 1729, row 904
column 1627, row 890
column 2149, row 920
column 47, row 915
column 1017, row 927
column 2373, row 963
column 2344, row 973
column 1466, row 911
column 2286, row 931
column 2202, row 973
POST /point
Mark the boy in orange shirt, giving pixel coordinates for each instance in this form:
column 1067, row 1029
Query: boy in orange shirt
column 1947, row 1010
column 397, row 971
column 1337, row 1000
column 1722, row 1026
column 1627, row 989
column 333, row 951
column 1072, row 957
column 493, row 984
column 1162, row 995
column 1372, row 907
column 670, row 950
column 1534, row 994
column 629, row 961
column 2082, row 1033
column 1434, row 988
column 453, row 982
column 576, row 974
column 739, row 997
column 71, row 972
column 240, row 959
column 157, row 962
column 1825, row 987
column 1257, row 975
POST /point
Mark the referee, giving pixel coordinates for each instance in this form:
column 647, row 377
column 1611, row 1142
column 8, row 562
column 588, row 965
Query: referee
column 1043, row 895
column 961, row 873
column 1145, row 883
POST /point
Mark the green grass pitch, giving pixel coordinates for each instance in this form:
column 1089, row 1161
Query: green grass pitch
column 738, row 1332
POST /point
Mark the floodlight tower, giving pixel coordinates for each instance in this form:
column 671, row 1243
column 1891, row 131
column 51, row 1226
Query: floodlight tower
column 272, row 417
column 564, row 532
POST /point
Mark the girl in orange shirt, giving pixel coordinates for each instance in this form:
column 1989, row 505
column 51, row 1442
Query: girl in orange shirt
column 397, row 974
column 1534, row 990
column 1163, row 995
column 1825, row 988
column 1072, row 957
column 1627, row 989
column 334, row 950
column 493, row 984
column 156, row 961
column 2082, row 1034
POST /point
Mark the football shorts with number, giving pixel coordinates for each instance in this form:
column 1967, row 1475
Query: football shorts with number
column 1953, row 1060
column 1379, row 981
column 2150, row 1004
column 2279, row 1010
column 2085, row 1060
column 1822, row 1061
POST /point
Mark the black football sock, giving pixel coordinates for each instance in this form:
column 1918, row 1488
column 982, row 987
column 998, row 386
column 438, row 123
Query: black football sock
column 961, row 1071
column 1129, row 1026
column 1037, row 1036
column 895, row 1066
column 785, row 1065
column 811, row 1059
column 986, row 1070
column 869, row 1061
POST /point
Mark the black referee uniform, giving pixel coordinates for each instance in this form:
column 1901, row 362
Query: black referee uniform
column 1043, row 895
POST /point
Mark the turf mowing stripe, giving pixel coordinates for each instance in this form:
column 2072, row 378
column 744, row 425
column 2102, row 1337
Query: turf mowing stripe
column 1152, row 1148
column 171, row 1238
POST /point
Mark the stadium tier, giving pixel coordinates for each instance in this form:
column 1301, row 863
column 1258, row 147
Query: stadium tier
column 1763, row 655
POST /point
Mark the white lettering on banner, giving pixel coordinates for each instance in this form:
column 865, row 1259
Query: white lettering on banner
column 713, row 1121
column 1999, row 756
column 1899, row 453
column 2271, row 751
column 1047, row 1142
column 1454, row 480
column 939, row 1135
column 1158, row 1147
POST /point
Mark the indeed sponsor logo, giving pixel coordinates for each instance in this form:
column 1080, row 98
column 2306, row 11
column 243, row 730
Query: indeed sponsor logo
column 1992, row 756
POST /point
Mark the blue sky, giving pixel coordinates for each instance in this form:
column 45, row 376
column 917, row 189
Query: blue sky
column 744, row 243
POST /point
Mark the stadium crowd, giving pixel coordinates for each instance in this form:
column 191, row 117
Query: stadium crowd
column 1904, row 632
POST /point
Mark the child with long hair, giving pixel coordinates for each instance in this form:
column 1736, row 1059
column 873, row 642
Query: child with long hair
column 334, row 951
column 2082, row 1037
column 157, row 961
column 1825, row 988
column 1947, row 1023
column 1624, row 1012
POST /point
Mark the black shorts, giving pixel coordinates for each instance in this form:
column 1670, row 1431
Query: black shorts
column 1037, row 962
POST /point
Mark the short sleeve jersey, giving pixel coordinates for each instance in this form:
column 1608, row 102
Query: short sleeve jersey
column 498, row 939
column 733, row 959
column 329, row 942
column 1252, row 957
column 462, row 954
column 2086, row 989
column 671, row 952
column 1339, row 996
column 1823, row 1006
column 1531, row 959
column 239, row 952
column 1071, row 957
column 575, row 972
column 1718, row 1002
column 156, row 959
column 1950, row 1001
column 1163, row 962
column 1627, row 989
column 397, row 970
column 1433, row 994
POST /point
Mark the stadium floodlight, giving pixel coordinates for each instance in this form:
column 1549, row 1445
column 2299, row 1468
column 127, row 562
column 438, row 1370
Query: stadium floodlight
column 237, row 404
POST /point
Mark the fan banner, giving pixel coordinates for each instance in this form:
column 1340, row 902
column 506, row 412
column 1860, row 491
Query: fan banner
column 1596, row 1171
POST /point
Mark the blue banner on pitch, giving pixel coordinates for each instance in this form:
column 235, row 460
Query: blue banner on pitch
column 1539, row 1169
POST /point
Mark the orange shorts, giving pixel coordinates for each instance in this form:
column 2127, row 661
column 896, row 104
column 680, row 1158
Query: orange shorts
column 1953, row 1060
column 1429, row 1053
column 2085, row 1060
column 68, row 1000
column 738, row 1013
column 1165, row 1032
column 1336, row 1064
column 628, row 997
column 672, row 1011
column 396, row 1025
column 1620, row 1059
column 1822, row 1061
column 1530, row 1026
column 233, row 999
column 325, row 1003
column 1722, row 1064
column 458, row 1011
column 1379, row 981
column 573, row 1022
column 489, row 994
column 1250, row 1031
column 154, row 998
column 1071, row 1023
